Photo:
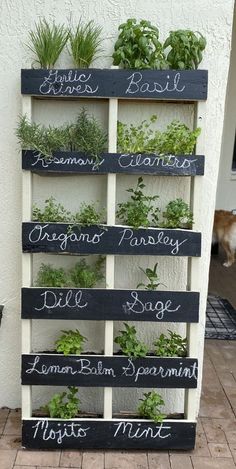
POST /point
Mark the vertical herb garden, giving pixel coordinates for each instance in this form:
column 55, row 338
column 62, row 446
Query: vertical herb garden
column 146, row 69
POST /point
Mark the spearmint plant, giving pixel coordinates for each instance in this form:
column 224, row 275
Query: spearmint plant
column 129, row 344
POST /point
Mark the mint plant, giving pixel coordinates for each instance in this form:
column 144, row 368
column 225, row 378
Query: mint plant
column 129, row 344
column 64, row 405
column 138, row 46
column 152, row 278
column 139, row 210
column 71, row 342
column 177, row 215
column 186, row 49
column 172, row 346
column 150, row 407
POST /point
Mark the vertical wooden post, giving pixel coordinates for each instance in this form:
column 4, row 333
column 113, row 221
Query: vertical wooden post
column 26, row 324
column 195, row 265
column 110, row 259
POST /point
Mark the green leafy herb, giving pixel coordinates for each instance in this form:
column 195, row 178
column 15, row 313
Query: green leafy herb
column 64, row 405
column 150, row 406
column 71, row 342
column 186, row 49
column 55, row 212
column 85, row 135
column 139, row 209
column 129, row 343
column 177, row 215
column 47, row 42
column 178, row 139
column 52, row 212
column 85, row 44
column 81, row 275
column 138, row 46
column 152, row 277
column 172, row 346
column 49, row 276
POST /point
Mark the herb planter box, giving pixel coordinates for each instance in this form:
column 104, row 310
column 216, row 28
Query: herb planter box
column 107, row 434
column 115, row 371
column 105, row 304
column 105, row 83
column 75, row 162
column 58, row 237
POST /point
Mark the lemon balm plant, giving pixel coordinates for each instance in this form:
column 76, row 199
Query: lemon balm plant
column 47, row 42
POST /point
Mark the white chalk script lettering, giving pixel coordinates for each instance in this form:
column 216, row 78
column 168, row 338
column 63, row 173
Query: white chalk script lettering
column 164, row 372
column 82, row 367
column 39, row 233
column 138, row 160
column 158, row 307
column 71, row 82
column 69, row 299
column 79, row 161
column 140, row 430
column 127, row 237
column 64, row 430
column 137, row 85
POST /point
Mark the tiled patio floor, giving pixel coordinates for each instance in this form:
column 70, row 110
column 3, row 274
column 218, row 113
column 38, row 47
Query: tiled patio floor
column 216, row 440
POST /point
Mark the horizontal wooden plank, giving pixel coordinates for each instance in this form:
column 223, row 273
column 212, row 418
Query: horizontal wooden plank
column 116, row 371
column 105, row 304
column 110, row 83
column 107, row 434
column 59, row 237
column 75, row 162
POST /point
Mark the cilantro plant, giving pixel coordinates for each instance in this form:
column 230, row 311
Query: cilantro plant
column 172, row 346
column 150, row 406
column 49, row 276
column 177, row 215
column 71, row 342
column 138, row 46
column 177, row 139
column 137, row 139
column 139, row 210
column 129, row 344
column 64, row 405
column 152, row 278
column 186, row 49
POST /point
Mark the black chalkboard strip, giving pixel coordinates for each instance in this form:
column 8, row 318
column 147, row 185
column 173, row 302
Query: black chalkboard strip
column 108, row 434
column 75, row 162
column 177, row 85
column 60, row 238
column 105, row 304
column 116, row 371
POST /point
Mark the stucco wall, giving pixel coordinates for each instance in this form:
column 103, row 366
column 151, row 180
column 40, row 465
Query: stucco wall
column 226, row 187
column 18, row 16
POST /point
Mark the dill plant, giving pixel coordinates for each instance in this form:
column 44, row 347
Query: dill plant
column 47, row 42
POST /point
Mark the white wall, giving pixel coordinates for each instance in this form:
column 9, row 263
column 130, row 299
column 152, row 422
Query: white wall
column 226, row 186
column 214, row 21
